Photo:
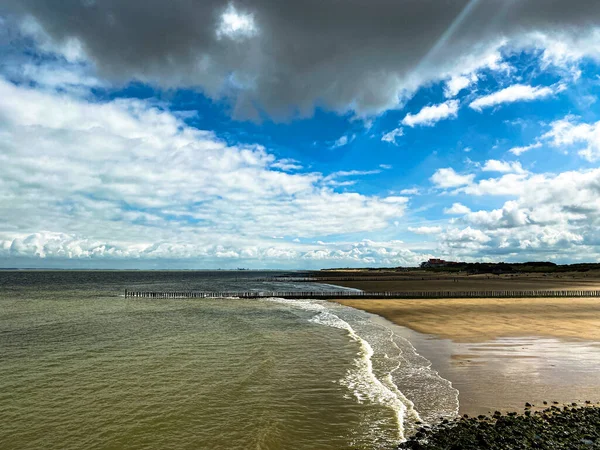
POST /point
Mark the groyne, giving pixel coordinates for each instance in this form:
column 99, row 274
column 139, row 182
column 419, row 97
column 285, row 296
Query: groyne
column 364, row 295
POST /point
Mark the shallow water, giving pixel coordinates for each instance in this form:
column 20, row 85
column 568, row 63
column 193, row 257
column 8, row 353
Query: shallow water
column 82, row 367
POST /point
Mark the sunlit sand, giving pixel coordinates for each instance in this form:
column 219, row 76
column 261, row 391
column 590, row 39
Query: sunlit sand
column 501, row 353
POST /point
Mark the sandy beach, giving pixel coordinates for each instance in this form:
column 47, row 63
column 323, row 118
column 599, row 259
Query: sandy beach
column 501, row 353
column 479, row 320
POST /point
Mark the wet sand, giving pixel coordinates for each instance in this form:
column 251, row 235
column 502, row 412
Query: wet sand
column 501, row 353
column 427, row 281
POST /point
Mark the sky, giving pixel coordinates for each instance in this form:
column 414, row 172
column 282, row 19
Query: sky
column 298, row 135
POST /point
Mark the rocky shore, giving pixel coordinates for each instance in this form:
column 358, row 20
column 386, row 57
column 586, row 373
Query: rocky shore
column 553, row 428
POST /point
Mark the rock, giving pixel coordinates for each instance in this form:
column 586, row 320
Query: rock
column 555, row 428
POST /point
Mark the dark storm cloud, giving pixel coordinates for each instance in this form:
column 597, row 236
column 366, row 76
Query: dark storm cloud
column 352, row 54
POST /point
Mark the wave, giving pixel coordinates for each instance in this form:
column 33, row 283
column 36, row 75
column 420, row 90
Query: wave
column 361, row 380
column 341, row 288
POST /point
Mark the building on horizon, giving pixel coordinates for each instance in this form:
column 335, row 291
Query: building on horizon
column 436, row 262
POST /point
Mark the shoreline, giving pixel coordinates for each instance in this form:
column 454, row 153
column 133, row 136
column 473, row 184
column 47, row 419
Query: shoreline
column 501, row 364
column 484, row 319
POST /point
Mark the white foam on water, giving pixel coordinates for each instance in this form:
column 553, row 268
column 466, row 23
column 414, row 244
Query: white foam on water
column 421, row 367
column 341, row 288
column 361, row 380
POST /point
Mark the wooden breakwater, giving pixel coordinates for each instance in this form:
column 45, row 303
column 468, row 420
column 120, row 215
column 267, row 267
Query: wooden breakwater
column 364, row 295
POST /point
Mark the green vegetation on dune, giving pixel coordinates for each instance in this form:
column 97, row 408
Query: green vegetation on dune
column 527, row 267
column 474, row 268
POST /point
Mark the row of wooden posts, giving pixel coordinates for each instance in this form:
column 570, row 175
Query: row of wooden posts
column 365, row 295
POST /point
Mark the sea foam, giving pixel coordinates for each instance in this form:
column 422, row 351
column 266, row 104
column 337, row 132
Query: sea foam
column 361, row 380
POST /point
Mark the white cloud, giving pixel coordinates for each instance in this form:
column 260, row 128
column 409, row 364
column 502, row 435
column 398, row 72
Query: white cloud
column 124, row 179
column 425, row 230
column 236, row 25
column 510, row 184
column 509, row 216
column 349, row 173
column 514, row 93
column 494, row 165
column 430, row 115
column 385, row 166
column 410, row 191
column 563, row 49
column 448, row 178
column 568, row 132
column 467, row 236
column 520, row 150
column 459, row 82
column 367, row 252
column 550, row 212
column 343, row 140
column 457, row 209
column 464, row 243
column 55, row 76
column 393, row 135
column 287, row 165
column 573, row 192
column 549, row 216
column 51, row 245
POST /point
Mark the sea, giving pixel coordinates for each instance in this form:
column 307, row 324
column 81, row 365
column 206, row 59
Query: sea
column 83, row 367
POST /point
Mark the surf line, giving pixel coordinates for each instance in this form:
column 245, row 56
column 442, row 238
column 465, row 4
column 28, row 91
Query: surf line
column 361, row 381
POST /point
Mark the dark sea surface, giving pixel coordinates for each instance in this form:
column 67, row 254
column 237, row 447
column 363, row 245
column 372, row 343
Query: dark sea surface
column 81, row 367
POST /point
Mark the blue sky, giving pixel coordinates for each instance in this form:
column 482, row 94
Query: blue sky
column 262, row 147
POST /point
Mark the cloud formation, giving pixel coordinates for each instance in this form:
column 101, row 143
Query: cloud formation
column 287, row 58
column 90, row 177
column 459, row 82
column 126, row 178
column 520, row 150
column 493, row 165
column 430, row 115
column 548, row 216
column 569, row 131
column 425, row 230
column 51, row 247
column 457, row 209
column 391, row 136
column 511, row 94
column 448, row 178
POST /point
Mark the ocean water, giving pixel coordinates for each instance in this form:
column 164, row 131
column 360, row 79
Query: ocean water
column 83, row 367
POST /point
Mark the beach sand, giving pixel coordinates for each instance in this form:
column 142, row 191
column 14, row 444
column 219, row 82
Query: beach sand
column 501, row 353
column 478, row 320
